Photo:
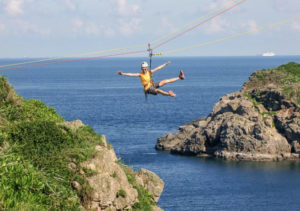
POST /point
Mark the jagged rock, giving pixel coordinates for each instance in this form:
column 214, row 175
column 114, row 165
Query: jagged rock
column 151, row 182
column 110, row 179
column 256, row 123
column 76, row 185
column 105, row 186
column 156, row 208
column 74, row 125
column 72, row 166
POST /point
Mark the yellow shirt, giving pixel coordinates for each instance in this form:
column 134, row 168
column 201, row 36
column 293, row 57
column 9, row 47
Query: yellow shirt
column 146, row 80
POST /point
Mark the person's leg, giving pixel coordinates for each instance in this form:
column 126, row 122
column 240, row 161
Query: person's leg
column 166, row 81
column 170, row 93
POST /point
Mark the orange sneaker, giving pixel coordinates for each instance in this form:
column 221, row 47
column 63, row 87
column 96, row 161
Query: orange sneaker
column 172, row 94
column 181, row 75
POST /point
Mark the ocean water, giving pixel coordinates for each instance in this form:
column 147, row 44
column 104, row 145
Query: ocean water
column 115, row 106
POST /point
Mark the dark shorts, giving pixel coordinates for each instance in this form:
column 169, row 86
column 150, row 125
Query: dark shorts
column 152, row 89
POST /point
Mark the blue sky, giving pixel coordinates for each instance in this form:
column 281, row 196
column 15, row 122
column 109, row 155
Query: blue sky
column 49, row 28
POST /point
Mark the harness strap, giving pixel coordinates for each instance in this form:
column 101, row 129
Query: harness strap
column 150, row 66
column 150, row 55
column 150, row 62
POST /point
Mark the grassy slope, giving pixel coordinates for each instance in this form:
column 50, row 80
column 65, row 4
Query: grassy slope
column 285, row 78
column 36, row 149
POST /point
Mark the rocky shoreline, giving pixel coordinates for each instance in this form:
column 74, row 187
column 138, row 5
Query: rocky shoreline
column 259, row 123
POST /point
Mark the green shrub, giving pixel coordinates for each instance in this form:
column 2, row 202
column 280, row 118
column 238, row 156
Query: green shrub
column 261, row 76
column 50, row 147
column 292, row 68
column 34, row 173
column 22, row 186
column 41, row 142
column 35, row 109
column 31, row 110
column 145, row 198
column 7, row 94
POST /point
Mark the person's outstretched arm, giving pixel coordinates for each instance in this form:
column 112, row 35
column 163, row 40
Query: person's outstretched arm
column 129, row 74
column 160, row 67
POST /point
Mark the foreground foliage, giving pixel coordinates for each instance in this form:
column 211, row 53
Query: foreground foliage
column 36, row 149
column 40, row 158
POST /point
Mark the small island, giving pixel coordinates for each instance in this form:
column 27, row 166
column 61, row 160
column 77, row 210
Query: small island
column 261, row 122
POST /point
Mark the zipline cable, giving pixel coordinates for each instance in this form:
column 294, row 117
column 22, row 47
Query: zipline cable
column 193, row 21
column 74, row 60
column 197, row 25
column 230, row 37
column 72, row 56
column 125, row 48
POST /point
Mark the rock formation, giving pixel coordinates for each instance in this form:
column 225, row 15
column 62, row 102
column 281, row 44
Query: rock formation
column 110, row 178
column 259, row 123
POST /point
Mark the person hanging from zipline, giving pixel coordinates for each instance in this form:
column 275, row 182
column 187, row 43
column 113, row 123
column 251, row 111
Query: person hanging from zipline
column 146, row 78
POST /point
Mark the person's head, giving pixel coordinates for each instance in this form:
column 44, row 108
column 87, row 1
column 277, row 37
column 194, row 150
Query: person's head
column 144, row 66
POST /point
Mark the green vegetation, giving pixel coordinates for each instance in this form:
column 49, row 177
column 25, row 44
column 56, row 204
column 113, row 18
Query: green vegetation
column 285, row 77
column 40, row 158
column 36, row 150
column 145, row 198
column 261, row 76
column 270, row 113
column 292, row 68
column 254, row 101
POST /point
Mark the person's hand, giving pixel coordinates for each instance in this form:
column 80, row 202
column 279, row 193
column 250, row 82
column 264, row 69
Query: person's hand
column 168, row 62
column 120, row 72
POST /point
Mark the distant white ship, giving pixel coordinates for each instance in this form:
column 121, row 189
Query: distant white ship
column 268, row 54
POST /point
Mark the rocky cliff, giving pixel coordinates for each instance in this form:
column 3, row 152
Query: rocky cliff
column 259, row 123
column 47, row 163
column 115, row 186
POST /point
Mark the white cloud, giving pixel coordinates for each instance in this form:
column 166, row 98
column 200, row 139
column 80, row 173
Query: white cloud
column 250, row 25
column 77, row 24
column 92, row 29
column 219, row 3
column 14, row 7
column 128, row 27
column 217, row 25
column 167, row 24
column 109, row 32
column 129, row 20
column 27, row 27
column 86, row 27
column 287, row 5
column 2, row 27
column 296, row 26
column 70, row 4
column 125, row 9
